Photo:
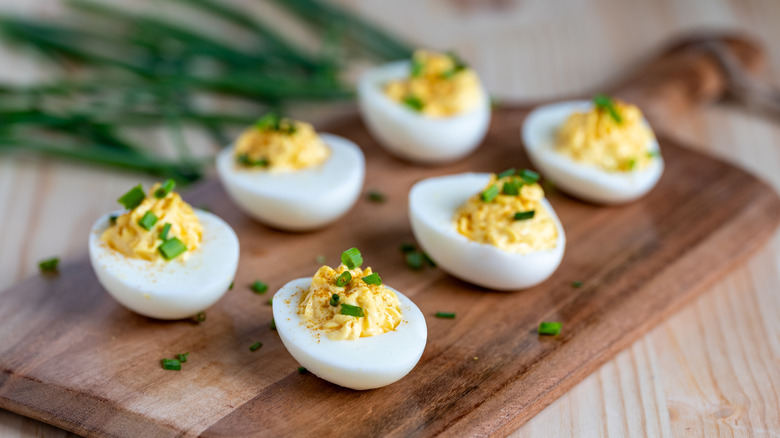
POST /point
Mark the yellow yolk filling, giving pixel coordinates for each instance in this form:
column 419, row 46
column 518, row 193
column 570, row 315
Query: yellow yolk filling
column 295, row 145
column 381, row 309
column 129, row 238
column 596, row 138
column 437, row 87
column 494, row 222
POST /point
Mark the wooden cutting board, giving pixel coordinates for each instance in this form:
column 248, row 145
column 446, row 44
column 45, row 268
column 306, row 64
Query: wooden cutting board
column 72, row 357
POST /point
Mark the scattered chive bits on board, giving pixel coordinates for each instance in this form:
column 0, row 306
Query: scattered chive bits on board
column 200, row 317
column 259, row 287
column 171, row 364
column 302, row 370
column 273, row 324
column 182, row 357
column 445, row 315
column 550, row 328
column 376, row 197
column 256, row 346
column 415, row 259
column 576, row 284
column 49, row 265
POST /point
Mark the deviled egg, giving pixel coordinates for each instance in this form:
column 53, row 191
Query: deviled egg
column 495, row 231
column 284, row 174
column 347, row 327
column 430, row 109
column 161, row 258
column 601, row 151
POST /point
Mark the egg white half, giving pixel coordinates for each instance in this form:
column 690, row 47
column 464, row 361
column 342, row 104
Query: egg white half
column 584, row 181
column 174, row 289
column 414, row 136
column 363, row 363
column 302, row 199
column 432, row 206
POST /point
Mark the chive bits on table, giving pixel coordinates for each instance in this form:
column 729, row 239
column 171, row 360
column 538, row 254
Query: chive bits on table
column 376, row 197
column 259, row 287
column 49, row 265
column 445, row 315
column 414, row 258
column 256, row 346
column 171, row 364
column 183, row 357
column 547, row 328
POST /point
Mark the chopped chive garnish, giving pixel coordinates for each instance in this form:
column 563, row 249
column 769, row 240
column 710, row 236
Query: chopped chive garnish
column 576, row 284
column 605, row 103
column 269, row 121
column 506, row 173
column 166, row 188
column 171, row 364
column 414, row 103
column 244, row 160
column 133, row 198
column 350, row 310
column 550, row 328
column 172, row 248
column 414, row 260
column 148, row 220
column 182, row 357
column 529, row 176
column 112, row 219
column 334, row 300
column 372, row 279
column 302, row 370
column 200, row 317
column 343, row 279
column 352, row 258
column 320, row 259
column 232, row 283
column 49, row 265
column 407, row 247
column 524, row 215
column 429, row 259
column 273, row 324
column 256, row 346
column 512, row 187
column 631, row 164
column 446, row 315
column 164, row 233
column 375, row 196
column 490, row 193
column 417, row 67
column 259, row 287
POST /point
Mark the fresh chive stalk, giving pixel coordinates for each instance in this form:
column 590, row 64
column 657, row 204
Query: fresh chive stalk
column 256, row 346
column 171, row 364
column 550, row 328
column 445, row 315
column 259, row 287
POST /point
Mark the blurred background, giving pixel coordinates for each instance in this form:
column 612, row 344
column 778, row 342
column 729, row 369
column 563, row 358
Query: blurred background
column 98, row 95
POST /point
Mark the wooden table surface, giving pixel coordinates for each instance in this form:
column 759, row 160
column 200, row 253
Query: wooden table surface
column 713, row 369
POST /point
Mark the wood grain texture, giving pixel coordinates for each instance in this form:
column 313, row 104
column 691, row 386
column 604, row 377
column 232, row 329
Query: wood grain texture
column 526, row 50
column 99, row 371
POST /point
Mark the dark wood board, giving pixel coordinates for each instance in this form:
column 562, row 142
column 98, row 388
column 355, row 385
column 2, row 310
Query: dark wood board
column 71, row 356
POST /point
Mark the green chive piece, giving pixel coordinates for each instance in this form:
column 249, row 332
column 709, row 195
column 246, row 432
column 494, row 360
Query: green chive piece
column 352, row 258
column 631, row 164
column 259, row 287
column 182, row 357
column 408, row 247
column 273, row 324
column 414, row 103
column 576, row 284
column 490, row 193
column 512, row 187
column 350, row 310
column 112, row 219
column 232, row 283
column 376, row 197
column 334, row 300
column 445, row 315
column 417, row 68
column 269, row 122
column 320, row 259
column 270, row 301
column 343, row 279
column 164, row 233
column 372, row 279
column 166, row 188
column 256, row 346
column 605, row 103
column 49, row 265
column 524, row 215
column 550, row 328
column 429, row 259
column 133, row 198
column 171, row 364
column 245, row 160
column 529, row 176
column 200, row 317
column 506, row 173
column 414, row 260
column 302, row 370
column 148, row 220
column 172, row 248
